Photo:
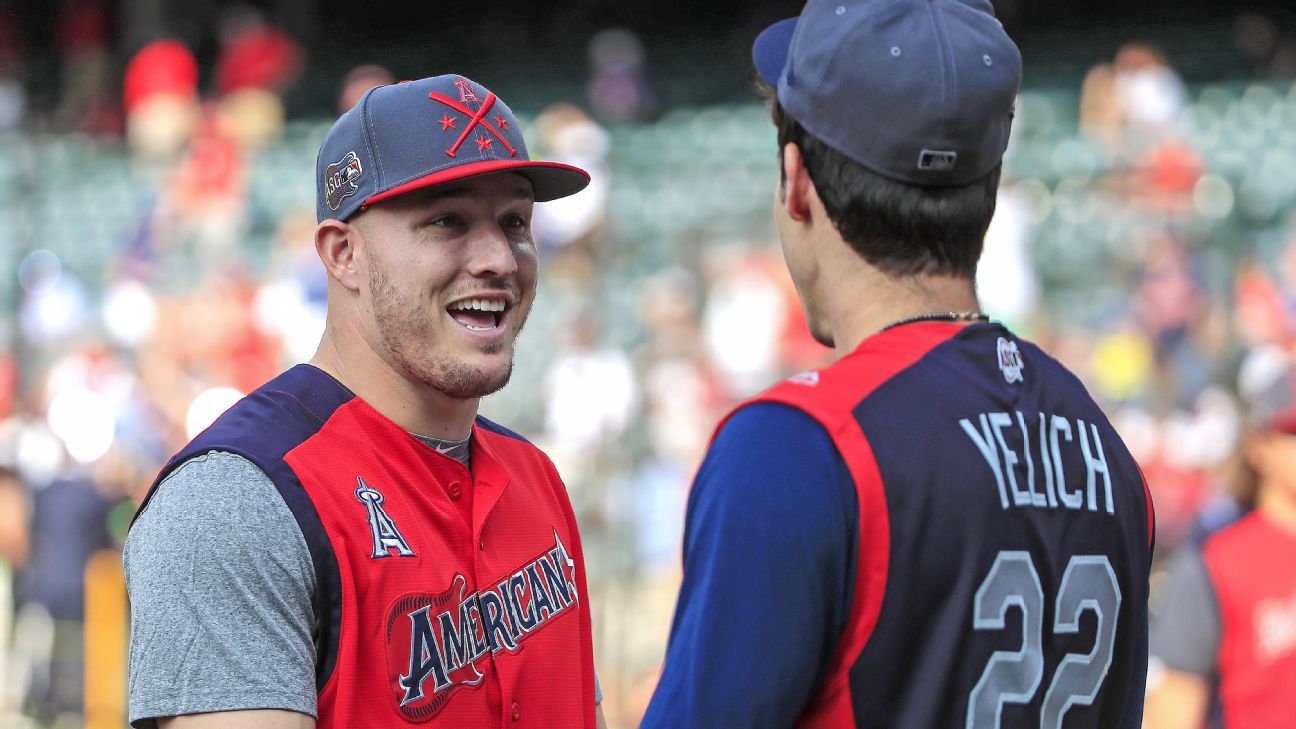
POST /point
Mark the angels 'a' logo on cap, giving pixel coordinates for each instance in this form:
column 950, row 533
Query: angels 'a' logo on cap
column 340, row 179
column 466, row 91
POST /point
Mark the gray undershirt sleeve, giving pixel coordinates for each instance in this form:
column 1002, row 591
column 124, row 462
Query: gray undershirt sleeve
column 220, row 583
column 1186, row 634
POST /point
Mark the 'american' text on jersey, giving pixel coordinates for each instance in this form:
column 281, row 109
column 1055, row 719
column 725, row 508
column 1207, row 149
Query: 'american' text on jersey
column 1042, row 452
column 489, row 620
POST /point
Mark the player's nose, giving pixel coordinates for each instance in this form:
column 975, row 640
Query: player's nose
column 491, row 253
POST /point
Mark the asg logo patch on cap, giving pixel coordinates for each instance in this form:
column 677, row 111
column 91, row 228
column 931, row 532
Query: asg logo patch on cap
column 340, row 179
column 1010, row 361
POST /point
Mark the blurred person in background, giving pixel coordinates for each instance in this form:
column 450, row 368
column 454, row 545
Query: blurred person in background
column 14, row 531
column 1100, row 110
column 69, row 523
column 742, row 321
column 357, row 83
column 1150, row 92
column 858, row 535
column 1008, row 282
column 351, row 544
column 160, row 99
column 15, row 515
column 1225, row 639
column 619, row 89
column 13, row 97
column 257, row 64
column 573, row 228
column 1264, row 45
column 84, row 37
column 590, row 393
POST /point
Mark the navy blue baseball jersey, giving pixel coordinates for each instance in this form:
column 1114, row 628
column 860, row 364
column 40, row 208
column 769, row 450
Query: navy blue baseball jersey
column 941, row 529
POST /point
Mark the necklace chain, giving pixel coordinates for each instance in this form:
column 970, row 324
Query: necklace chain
column 940, row 316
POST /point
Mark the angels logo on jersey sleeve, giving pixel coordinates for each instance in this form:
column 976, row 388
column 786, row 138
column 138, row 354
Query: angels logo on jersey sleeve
column 435, row 641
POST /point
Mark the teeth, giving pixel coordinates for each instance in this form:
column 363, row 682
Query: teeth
column 479, row 305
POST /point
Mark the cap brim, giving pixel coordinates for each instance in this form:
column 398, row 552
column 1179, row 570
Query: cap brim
column 549, row 180
column 770, row 51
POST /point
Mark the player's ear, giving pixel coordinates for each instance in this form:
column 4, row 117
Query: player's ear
column 335, row 242
column 797, row 186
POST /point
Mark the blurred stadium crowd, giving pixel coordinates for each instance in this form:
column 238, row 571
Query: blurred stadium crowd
column 158, row 263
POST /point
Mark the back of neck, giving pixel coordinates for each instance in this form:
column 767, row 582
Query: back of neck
column 883, row 301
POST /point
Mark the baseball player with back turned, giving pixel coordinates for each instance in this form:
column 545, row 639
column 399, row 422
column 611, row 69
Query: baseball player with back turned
column 351, row 545
column 941, row 528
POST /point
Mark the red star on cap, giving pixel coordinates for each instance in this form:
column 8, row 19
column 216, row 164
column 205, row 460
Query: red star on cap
column 501, row 122
column 447, row 122
column 483, row 142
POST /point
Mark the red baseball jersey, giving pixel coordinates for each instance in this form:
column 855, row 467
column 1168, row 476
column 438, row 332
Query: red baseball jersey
column 1252, row 567
column 443, row 596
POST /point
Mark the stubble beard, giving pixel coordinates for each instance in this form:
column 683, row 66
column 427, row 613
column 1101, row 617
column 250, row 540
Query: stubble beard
column 398, row 319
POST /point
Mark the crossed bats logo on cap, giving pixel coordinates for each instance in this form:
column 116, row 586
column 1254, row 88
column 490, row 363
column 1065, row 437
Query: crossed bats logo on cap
column 475, row 117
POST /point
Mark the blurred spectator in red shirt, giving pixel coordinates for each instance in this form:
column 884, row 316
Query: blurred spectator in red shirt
column 257, row 64
column 161, row 99
column 255, row 54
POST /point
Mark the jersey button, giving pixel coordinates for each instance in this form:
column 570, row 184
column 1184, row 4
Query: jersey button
column 517, row 711
column 482, row 545
column 454, row 490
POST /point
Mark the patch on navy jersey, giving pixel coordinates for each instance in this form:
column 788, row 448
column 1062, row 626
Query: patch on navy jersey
column 386, row 536
column 340, row 179
column 1010, row 361
column 435, row 641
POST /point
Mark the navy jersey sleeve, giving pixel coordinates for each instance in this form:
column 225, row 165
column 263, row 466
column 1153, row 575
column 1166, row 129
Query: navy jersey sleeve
column 769, row 561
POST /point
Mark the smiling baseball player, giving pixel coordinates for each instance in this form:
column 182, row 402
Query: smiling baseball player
column 351, row 545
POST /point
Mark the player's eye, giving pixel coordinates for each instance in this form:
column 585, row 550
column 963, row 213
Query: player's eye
column 448, row 221
column 514, row 221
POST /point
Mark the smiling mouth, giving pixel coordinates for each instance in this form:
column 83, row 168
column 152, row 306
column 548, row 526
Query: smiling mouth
column 478, row 315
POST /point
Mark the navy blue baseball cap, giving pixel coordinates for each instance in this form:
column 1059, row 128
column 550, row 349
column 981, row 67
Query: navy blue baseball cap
column 921, row 91
column 416, row 134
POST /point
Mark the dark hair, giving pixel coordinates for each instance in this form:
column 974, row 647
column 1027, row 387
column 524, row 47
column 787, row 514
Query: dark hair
column 900, row 228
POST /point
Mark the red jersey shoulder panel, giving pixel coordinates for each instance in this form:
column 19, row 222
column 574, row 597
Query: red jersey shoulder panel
column 829, row 394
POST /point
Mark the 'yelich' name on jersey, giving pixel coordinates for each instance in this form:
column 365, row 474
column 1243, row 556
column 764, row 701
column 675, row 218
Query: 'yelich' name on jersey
column 1043, row 438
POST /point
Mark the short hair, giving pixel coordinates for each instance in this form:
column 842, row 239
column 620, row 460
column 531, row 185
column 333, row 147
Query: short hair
column 900, row 228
